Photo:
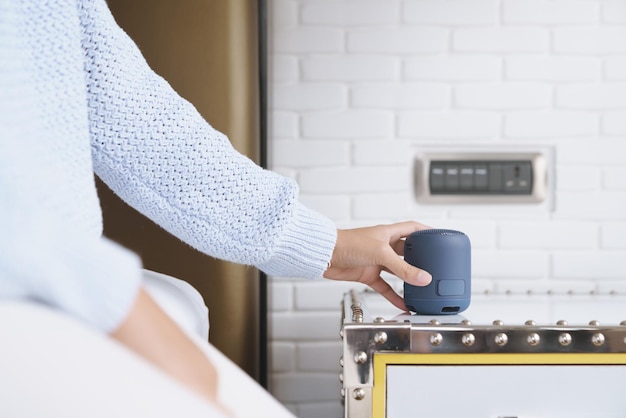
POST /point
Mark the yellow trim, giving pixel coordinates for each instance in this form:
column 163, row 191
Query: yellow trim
column 382, row 360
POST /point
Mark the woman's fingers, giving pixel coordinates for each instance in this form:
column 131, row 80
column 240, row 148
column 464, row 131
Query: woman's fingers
column 386, row 291
column 406, row 271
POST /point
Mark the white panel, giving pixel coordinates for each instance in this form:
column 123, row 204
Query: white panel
column 506, row 391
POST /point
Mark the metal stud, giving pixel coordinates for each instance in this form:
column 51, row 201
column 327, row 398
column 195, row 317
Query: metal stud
column 436, row 339
column 468, row 339
column 341, row 333
column 341, row 377
column 434, row 322
column 379, row 320
column 501, row 339
column 343, row 392
column 341, row 361
column 530, row 323
column 466, row 322
column 380, row 337
column 360, row 357
column 597, row 339
column 358, row 394
column 594, row 323
column 561, row 323
column 533, row 339
column 498, row 323
column 623, row 323
column 565, row 339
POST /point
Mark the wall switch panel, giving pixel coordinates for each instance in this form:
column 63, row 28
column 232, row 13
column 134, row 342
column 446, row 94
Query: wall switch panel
column 481, row 177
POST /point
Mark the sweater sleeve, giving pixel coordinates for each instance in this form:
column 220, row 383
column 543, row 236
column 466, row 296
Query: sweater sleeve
column 158, row 154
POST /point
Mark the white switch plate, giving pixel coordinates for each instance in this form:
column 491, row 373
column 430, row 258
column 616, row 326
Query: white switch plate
column 542, row 169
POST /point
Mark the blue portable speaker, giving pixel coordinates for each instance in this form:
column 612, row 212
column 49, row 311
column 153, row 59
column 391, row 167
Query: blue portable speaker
column 446, row 255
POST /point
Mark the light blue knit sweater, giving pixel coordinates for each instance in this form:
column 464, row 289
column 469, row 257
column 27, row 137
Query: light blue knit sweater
column 76, row 96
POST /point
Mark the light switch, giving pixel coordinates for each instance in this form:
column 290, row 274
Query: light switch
column 452, row 178
column 482, row 177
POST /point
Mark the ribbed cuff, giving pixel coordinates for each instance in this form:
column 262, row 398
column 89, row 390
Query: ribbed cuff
column 305, row 248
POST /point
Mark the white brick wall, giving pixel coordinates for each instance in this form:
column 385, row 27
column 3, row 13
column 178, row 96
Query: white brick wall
column 359, row 87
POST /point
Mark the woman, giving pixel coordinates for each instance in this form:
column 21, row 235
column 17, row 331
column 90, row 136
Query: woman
column 76, row 98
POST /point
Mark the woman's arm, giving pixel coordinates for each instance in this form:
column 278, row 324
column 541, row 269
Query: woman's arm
column 156, row 152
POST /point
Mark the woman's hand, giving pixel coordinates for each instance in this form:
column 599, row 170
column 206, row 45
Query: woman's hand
column 361, row 254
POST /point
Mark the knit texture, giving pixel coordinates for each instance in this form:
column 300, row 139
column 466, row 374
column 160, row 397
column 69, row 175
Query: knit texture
column 79, row 97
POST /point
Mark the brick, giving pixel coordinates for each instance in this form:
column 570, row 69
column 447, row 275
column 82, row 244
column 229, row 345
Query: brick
column 503, row 96
column 383, row 207
column 614, row 11
column 307, row 326
column 306, row 387
column 614, row 123
column 323, row 294
column 459, row 12
column 591, row 40
column 593, row 152
column 592, row 96
column 510, row 264
column 350, row 68
column 550, row 124
column 348, row 124
column 401, row 96
column 615, row 67
column 320, row 357
column 308, row 40
column 453, row 68
column 349, row 13
column 355, row 180
column 578, row 178
column 284, row 13
column 613, row 235
column 553, row 68
column 545, row 12
column 615, row 178
column 336, row 208
column 284, row 125
column 310, row 153
column 383, row 152
column 552, row 235
column 309, row 96
column 284, row 69
column 448, row 125
column 280, row 296
column 398, row 40
column 590, row 265
column 282, row 357
column 605, row 205
column 503, row 39
column 514, row 212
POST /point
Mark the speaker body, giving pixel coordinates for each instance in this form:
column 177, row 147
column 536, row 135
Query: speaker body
column 446, row 255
